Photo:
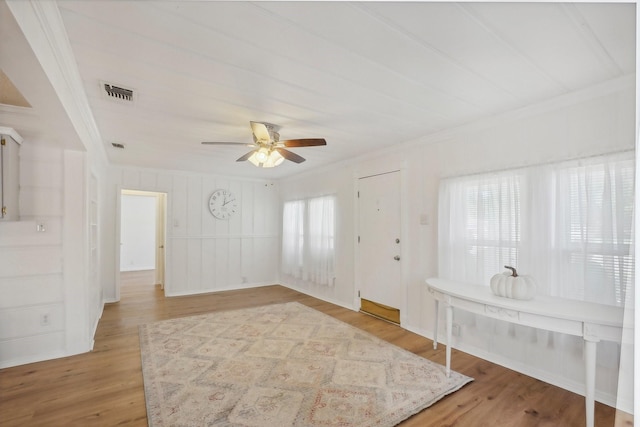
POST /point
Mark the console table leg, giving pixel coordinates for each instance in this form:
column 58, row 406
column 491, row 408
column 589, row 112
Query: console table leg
column 449, row 335
column 435, row 329
column 590, row 380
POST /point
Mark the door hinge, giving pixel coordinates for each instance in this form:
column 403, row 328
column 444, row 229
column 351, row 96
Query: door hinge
column 358, row 239
column 3, row 142
column 358, row 191
column 358, row 294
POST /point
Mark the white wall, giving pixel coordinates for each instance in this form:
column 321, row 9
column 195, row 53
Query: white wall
column 338, row 182
column 50, row 301
column 590, row 126
column 596, row 121
column 205, row 254
column 31, row 275
column 137, row 232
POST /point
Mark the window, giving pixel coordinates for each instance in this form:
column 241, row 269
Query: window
column 567, row 224
column 293, row 237
column 597, row 237
column 480, row 228
column 493, row 221
column 308, row 239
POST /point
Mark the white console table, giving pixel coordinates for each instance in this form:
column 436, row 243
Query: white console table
column 593, row 322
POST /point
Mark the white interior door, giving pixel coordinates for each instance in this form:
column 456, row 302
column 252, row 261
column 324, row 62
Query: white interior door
column 379, row 239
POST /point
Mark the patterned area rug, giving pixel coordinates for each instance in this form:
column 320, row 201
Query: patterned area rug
column 281, row 365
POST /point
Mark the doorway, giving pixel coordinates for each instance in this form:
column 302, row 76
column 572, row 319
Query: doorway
column 379, row 245
column 142, row 240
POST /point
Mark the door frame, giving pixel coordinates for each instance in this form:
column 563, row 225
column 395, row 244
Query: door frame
column 404, row 235
column 161, row 238
column 118, row 216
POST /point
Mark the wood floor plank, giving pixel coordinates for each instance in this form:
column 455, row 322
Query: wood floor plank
column 105, row 387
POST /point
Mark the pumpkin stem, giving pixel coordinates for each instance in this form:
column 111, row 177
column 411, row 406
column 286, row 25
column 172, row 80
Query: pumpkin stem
column 514, row 273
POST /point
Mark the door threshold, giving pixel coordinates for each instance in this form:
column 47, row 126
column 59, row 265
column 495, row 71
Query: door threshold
column 380, row 311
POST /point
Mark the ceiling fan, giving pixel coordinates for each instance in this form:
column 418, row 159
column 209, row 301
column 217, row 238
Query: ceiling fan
column 268, row 151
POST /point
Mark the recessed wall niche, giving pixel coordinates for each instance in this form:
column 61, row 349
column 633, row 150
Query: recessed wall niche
column 10, row 142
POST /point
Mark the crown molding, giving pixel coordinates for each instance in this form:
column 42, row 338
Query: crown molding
column 42, row 26
column 617, row 85
column 396, row 152
column 12, row 133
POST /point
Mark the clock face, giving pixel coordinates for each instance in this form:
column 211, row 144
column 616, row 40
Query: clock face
column 223, row 204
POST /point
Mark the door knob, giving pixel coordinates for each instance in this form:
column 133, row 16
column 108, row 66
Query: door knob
column 397, row 258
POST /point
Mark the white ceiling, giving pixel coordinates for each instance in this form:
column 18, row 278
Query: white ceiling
column 363, row 75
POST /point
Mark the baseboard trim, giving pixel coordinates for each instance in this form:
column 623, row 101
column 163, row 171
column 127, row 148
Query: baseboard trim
column 169, row 293
column 95, row 325
column 32, row 359
column 321, row 297
column 547, row 377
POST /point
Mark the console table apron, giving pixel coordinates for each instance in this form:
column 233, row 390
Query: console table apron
column 593, row 322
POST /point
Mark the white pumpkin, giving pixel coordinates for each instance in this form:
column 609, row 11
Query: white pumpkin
column 512, row 285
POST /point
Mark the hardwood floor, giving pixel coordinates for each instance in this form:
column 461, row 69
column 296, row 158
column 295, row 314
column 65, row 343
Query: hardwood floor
column 105, row 388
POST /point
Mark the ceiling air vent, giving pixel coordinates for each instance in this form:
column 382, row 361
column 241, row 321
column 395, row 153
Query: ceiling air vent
column 117, row 92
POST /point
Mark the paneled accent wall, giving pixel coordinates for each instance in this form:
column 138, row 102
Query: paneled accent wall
column 204, row 254
column 32, row 325
column 95, row 292
column 50, row 287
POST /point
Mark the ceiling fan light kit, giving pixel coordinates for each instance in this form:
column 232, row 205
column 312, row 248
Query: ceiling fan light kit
column 268, row 150
column 265, row 158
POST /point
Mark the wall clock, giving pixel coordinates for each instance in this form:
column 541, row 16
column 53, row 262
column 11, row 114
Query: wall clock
column 223, row 204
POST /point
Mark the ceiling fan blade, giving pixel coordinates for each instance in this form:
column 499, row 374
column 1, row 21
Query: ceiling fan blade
column 290, row 156
column 260, row 131
column 223, row 143
column 306, row 142
column 246, row 156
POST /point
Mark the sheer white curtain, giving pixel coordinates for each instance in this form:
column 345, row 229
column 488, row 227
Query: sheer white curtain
column 293, row 238
column 479, row 219
column 567, row 224
column 320, row 260
column 308, row 236
column 594, row 234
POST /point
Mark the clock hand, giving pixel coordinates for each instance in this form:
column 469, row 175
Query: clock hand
column 228, row 201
